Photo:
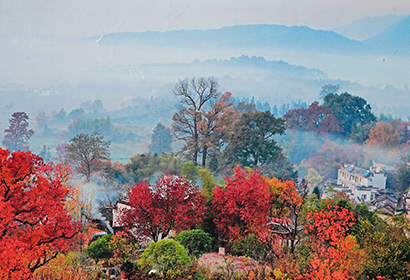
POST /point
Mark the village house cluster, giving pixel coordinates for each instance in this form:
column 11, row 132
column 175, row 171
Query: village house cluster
column 368, row 186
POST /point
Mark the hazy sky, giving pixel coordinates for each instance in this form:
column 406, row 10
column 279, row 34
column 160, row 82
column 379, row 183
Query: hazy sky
column 86, row 17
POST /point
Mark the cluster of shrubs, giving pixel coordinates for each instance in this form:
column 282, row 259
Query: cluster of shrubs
column 168, row 258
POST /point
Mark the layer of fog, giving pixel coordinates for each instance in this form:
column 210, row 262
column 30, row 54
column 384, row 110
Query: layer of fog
column 55, row 61
column 50, row 73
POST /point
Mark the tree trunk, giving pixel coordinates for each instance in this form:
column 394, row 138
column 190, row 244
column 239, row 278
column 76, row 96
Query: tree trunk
column 255, row 160
column 204, row 154
column 195, row 160
column 88, row 175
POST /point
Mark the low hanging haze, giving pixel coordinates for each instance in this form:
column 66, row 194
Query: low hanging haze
column 91, row 18
column 60, row 52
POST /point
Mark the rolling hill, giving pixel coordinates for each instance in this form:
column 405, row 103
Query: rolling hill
column 244, row 36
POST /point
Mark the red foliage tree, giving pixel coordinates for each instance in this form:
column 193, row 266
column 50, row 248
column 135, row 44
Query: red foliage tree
column 172, row 204
column 242, row 205
column 315, row 118
column 339, row 262
column 34, row 224
column 335, row 254
column 331, row 223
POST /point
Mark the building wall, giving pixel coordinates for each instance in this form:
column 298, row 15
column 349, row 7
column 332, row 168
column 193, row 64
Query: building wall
column 346, row 178
column 349, row 179
column 379, row 181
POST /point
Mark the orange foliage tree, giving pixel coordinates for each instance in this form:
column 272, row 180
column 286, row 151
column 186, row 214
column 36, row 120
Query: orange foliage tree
column 287, row 204
column 335, row 253
column 34, row 223
column 216, row 125
column 285, row 226
column 383, row 134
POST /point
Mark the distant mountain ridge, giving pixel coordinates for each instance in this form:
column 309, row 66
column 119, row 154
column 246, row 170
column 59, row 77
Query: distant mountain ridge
column 368, row 27
column 394, row 40
column 264, row 35
column 279, row 67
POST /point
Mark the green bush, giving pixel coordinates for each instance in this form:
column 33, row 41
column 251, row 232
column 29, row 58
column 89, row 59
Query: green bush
column 167, row 257
column 249, row 247
column 99, row 249
column 195, row 241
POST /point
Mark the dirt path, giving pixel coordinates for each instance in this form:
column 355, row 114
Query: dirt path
column 216, row 262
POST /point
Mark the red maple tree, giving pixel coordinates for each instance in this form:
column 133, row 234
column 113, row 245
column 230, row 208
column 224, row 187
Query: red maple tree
column 242, row 205
column 34, row 224
column 331, row 223
column 172, row 204
column 335, row 253
column 316, row 118
column 340, row 262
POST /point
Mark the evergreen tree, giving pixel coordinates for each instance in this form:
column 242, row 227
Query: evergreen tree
column 18, row 133
column 161, row 140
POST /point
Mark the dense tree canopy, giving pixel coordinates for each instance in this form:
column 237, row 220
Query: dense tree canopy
column 17, row 135
column 383, row 134
column 316, row 118
column 252, row 142
column 34, row 222
column 174, row 203
column 145, row 167
column 351, row 111
column 242, row 206
column 387, row 247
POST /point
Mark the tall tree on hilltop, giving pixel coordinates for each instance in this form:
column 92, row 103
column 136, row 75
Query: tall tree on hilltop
column 18, row 133
column 194, row 94
column 161, row 140
column 86, row 151
column 216, row 125
column 329, row 88
column 351, row 111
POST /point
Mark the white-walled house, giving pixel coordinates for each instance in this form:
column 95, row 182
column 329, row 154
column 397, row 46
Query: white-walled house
column 116, row 214
column 350, row 175
column 363, row 185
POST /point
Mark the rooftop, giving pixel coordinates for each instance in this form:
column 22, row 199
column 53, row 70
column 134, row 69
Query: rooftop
column 356, row 170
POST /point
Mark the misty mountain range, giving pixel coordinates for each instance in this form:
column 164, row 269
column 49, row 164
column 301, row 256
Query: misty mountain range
column 244, row 36
column 380, row 34
column 368, row 27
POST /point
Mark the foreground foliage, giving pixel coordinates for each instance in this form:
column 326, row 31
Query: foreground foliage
column 174, row 203
column 167, row 257
column 34, row 223
column 195, row 241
